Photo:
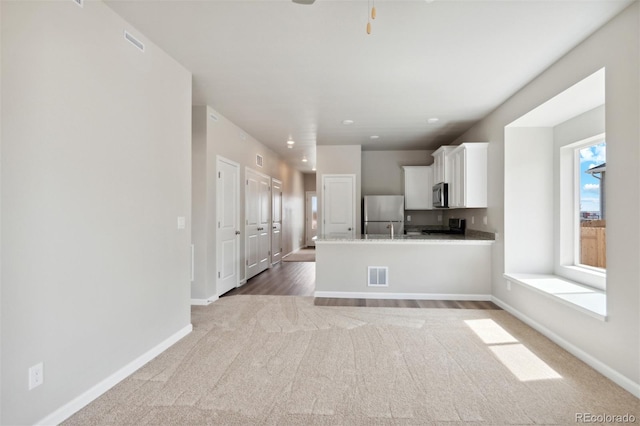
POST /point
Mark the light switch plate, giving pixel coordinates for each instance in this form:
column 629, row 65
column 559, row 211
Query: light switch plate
column 182, row 222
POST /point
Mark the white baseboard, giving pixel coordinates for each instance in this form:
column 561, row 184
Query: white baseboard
column 204, row 302
column 414, row 296
column 75, row 405
column 602, row 368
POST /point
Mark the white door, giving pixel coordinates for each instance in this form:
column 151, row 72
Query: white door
column 276, row 227
column 228, row 223
column 339, row 206
column 311, row 218
column 258, row 222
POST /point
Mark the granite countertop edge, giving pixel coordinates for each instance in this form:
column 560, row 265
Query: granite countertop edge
column 470, row 237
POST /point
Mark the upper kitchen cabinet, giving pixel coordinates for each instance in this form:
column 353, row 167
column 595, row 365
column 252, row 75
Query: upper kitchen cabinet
column 418, row 181
column 467, row 168
column 440, row 171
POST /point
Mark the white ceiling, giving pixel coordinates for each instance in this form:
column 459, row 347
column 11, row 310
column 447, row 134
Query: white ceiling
column 280, row 69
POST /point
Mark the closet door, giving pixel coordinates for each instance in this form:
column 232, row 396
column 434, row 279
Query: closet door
column 258, row 222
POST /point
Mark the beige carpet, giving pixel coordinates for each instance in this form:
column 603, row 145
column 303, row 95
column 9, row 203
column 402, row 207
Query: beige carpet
column 302, row 255
column 280, row 360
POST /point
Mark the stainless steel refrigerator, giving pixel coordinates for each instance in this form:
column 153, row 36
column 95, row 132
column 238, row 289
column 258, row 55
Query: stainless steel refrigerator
column 382, row 210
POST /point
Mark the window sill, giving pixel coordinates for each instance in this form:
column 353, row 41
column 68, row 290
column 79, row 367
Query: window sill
column 588, row 300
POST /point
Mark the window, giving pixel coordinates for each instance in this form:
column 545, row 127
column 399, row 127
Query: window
column 591, row 221
column 582, row 208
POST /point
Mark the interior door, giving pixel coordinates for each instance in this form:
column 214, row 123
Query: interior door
column 311, row 218
column 228, row 224
column 276, row 222
column 339, row 206
column 258, row 222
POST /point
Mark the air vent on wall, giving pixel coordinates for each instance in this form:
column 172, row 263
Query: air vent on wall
column 378, row 276
column 259, row 160
column 137, row 43
column 213, row 117
column 79, row 2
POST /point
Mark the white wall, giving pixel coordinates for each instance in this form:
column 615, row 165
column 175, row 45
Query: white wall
column 529, row 200
column 222, row 137
column 382, row 170
column 95, row 171
column 614, row 343
column 339, row 159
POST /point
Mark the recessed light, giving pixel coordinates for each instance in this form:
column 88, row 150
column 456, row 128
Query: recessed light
column 304, row 159
column 374, row 137
column 347, row 122
column 433, row 120
column 290, row 142
column 313, row 169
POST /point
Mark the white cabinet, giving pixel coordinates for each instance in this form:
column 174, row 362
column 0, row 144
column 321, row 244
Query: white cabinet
column 418, row 183
column 467, row 168
column 440, row 170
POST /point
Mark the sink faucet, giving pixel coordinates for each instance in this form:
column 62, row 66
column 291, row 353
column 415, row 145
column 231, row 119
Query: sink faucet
column 390, row 228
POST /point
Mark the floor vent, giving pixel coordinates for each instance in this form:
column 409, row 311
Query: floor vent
column 259, row 160
column 137, row 43
column 79, row 2
column 378, row 276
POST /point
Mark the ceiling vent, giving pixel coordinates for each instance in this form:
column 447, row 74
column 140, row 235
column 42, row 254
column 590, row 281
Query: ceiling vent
column 137, row 43
column 79, row 2
column 378, row 276
column 259, row 160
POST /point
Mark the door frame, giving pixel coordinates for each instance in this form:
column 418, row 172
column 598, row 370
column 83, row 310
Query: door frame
column 238, row 218
column 324, row 196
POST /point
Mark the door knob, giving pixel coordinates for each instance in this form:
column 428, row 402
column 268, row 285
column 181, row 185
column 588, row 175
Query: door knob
column 349, row 229
column 237, row 232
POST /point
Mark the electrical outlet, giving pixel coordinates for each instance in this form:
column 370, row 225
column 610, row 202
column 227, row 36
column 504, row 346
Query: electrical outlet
column 508, row 285
column 484, row 220
column 182, row 222
column 439, row 218
column 408, row 218
column 473, row 220
column 36, row 376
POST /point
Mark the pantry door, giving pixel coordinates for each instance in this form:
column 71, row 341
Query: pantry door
column 339, row 206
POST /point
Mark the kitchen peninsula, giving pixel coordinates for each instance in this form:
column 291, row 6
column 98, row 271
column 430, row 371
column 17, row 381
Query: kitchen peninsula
column 435, row 267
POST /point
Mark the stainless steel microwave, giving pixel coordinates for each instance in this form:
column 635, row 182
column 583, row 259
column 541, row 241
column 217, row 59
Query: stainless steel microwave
column 440, row 195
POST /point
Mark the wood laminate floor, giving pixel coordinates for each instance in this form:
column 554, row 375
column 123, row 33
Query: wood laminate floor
column 299, row 279
column 283, row 279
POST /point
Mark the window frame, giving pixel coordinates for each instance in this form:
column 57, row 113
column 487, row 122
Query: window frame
column 568, row 259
